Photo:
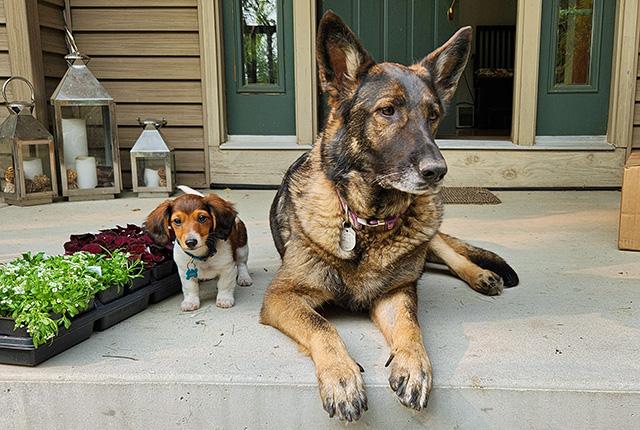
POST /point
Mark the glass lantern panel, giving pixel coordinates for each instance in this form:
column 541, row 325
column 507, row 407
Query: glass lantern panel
column 152, row 171
column 36, row 165
column 7, row 174
column 87, row 146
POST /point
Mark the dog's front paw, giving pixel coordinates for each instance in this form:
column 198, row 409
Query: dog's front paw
column 225, row 301
column 342, row 391
column 410, row 377
column 191, row 304
column 244, row 280
column 488, row 283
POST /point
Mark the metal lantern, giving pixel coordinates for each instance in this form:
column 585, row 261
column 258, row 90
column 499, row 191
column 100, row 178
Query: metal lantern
column 86, row 132
column 152, row 162
column 27, row 155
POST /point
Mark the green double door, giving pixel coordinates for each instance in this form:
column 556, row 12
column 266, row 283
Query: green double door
column 576, row 50
column 259, row 68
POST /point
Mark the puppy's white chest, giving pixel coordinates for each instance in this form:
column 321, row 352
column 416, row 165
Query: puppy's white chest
column 210, row 268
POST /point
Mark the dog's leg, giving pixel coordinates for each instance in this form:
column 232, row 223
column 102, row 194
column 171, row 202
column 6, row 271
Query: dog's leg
column 226, row 287
column 410, row 377
column 242, row 255
column 467, row 263
column 341, row 386
column 191, row 293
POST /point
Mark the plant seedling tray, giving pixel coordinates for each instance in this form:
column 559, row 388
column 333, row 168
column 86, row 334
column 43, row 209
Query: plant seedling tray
column 137, row 283
column 163, row 270
column 16, row 346
column 110, row 294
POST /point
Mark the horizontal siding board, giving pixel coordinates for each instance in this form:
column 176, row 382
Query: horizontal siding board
column 176, row 115
column 3, row 17
column 132, row 3
column 176, row 137
column 52, row 41
column 139, row 44
column 139, row 19
column 50, row 16
column 155, row 91
column 59, row 3
column 5, row 68
column 146, row 68
column 4, row 42
column 55, row 65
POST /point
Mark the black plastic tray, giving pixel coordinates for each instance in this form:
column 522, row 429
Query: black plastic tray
column 163, row 270
column 16, row 347
column 110, row 294
column 137, row 283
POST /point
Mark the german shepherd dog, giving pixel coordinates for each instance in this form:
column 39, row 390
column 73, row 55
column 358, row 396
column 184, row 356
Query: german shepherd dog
column 358, row 216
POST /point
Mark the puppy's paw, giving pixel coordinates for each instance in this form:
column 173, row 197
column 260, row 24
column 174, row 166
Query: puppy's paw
column 225, row 301
column 342, row 391
column 188, row 305
column 488, row 283
column 410, row 377
column 244, row 280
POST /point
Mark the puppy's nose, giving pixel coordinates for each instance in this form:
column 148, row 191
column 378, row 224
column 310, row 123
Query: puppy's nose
column 432, row 171
column 191, row 243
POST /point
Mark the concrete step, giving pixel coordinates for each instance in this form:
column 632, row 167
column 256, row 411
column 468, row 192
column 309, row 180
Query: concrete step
column 560, row 351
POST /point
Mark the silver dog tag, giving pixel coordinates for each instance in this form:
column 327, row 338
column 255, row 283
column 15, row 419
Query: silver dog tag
column 347, row 237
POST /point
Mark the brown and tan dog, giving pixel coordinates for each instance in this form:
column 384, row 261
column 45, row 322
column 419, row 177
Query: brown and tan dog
column 211, row 242
column 356, row 218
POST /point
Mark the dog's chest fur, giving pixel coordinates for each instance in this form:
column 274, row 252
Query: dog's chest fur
column 211, row 268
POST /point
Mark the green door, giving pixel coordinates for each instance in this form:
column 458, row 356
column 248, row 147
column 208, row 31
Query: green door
column 258, row 54
column 576, row 48
column 401, row 31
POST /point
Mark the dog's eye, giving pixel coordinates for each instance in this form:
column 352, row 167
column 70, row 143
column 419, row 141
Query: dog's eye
column 202, row 219
column 388, row 110
column 433, row 115
column 177, row 221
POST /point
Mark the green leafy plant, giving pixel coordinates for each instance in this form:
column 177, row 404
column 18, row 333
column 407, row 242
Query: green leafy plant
column 41, row 292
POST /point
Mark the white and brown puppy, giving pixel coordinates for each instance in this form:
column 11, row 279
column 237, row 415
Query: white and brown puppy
column 211, row 242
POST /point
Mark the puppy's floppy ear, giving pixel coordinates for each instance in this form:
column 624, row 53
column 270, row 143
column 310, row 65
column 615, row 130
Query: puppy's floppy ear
column 447, row 63
column 157, row 223
column 224, row 213
column 341, row 57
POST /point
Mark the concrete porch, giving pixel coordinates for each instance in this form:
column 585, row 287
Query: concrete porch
column 562, row 350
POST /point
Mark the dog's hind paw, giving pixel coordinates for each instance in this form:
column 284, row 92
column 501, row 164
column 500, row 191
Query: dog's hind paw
column 488, row 283
column 342, row 391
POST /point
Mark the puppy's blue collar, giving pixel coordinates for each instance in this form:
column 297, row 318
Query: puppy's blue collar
column 196, row 257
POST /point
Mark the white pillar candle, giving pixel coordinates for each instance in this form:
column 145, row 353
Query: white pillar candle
column 87, row 172
column 74, row 138
column 32, row 167
column 151, row 178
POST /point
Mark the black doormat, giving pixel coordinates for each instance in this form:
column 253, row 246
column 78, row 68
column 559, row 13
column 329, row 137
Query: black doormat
column 469, row 196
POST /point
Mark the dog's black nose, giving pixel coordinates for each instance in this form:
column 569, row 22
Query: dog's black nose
column 191, row 243
column 433, row 171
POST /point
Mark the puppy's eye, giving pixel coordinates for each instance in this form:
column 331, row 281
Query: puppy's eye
column 388, row 111
column 433, row 115
column 177, row 221
column 202, row 219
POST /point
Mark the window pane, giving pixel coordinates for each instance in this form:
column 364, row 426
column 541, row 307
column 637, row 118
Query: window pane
column 573, row 52
column 259, row 24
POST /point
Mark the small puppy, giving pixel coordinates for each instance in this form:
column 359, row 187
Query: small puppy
column 210, row 242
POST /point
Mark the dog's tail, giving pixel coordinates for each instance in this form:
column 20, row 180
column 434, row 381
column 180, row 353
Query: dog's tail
column 189, row 190
column 481, row 257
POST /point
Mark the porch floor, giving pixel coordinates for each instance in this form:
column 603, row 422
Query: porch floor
column 562, row 350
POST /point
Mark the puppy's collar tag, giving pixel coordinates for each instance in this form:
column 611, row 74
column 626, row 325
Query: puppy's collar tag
column 347, row 237
column 192, row 272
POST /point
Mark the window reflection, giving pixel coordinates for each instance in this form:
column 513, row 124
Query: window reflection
column 574, row 33
column 259, row 25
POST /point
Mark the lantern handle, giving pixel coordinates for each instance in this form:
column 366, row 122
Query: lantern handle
column 156, row 123
column 26, row 104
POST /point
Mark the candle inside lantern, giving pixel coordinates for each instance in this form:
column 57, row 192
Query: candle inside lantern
column 151, row 178
column 87, row 172
column 74, row 138
column 32, row 167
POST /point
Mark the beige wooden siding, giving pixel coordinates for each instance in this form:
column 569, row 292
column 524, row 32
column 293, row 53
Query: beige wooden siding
column 147, row 55
column 636, row 115
column 5, row 65
column 52, row 42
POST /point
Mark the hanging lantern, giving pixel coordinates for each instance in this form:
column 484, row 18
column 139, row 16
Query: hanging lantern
column 86, row 132
column 152, row 162
column 27, row 154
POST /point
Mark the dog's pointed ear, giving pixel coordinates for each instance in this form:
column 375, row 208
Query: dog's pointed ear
column 447, row 63
column 224, row 213
column 341, row 57
column 157, row 223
